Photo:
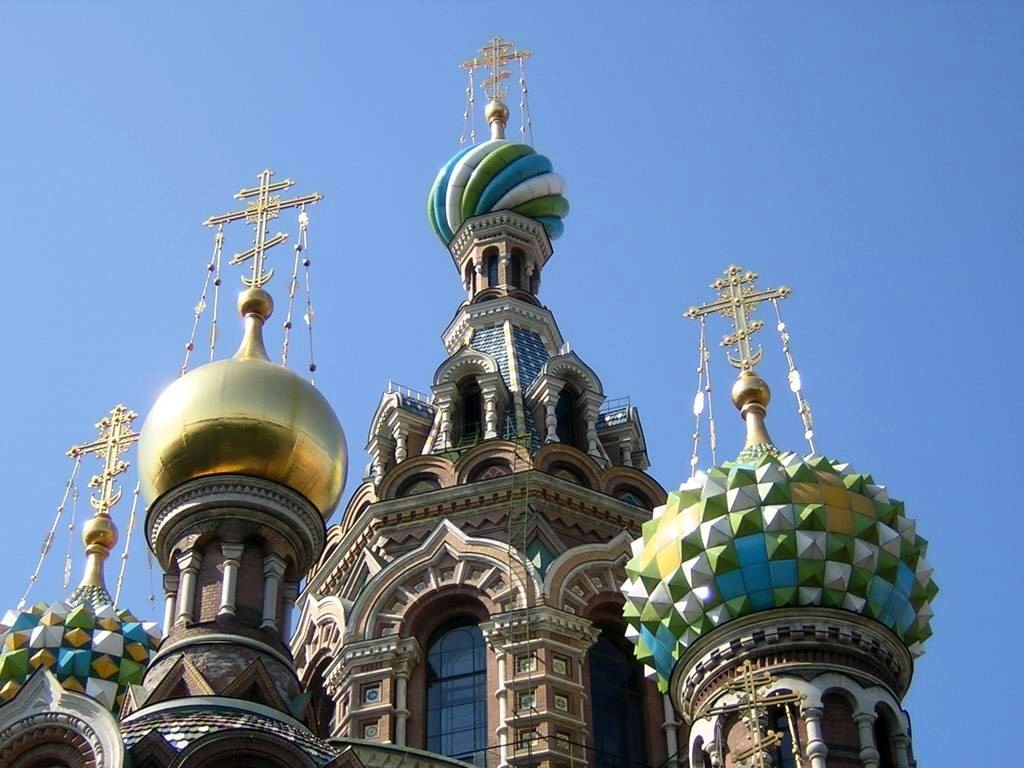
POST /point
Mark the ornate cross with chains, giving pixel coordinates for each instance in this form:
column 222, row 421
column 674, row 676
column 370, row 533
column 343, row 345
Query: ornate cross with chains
column 754, row 697
column 115, row 438
column 263, row 206
column 738, row 298
column 495, row 54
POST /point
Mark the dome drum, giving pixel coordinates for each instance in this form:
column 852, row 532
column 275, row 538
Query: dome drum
column 246, row 505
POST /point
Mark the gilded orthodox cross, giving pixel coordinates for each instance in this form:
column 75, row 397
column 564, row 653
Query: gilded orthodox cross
column 754, row 698
column 495, row 54
column 738, row 298
column 115, row 438
column 263, row 206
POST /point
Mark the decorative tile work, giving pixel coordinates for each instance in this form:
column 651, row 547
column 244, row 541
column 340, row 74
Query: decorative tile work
column 780, row 531
column 183, row 726
column 530, row 355
column 492, row 341
column 613, row 418
column 560, row 665
column 91, row 648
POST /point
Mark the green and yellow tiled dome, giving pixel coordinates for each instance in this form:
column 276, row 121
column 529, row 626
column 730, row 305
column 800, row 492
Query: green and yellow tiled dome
column 89, row 645
column 774, row 531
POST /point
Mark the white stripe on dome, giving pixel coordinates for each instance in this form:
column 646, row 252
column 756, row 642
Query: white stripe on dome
column 459, row 178
column 539, row 186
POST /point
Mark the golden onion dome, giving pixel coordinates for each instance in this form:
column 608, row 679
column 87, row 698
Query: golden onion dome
column 246, row 416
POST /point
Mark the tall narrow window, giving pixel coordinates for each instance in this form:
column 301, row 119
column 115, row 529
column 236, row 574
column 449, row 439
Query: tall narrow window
column 565, row 417
column 470, row 278
column 617, row 696
column 457, row 694
column 515, row 269
column 784, row 757
column 472, row 412
column 491, row 264
column 883, row 742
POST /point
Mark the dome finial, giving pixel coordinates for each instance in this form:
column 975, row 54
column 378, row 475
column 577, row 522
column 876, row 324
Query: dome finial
column 495, row 55
column 100, row 534
column 738, row 297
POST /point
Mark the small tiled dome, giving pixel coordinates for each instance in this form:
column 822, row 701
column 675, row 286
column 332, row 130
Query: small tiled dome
column 90, row 646
column 771, row 532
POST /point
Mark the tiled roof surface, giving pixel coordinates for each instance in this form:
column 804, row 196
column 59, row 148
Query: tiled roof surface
column 492, row 341
column 530, row 355
column 181, row 727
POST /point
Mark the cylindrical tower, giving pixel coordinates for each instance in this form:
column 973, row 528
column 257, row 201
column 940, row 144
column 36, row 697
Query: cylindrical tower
column 780, row 599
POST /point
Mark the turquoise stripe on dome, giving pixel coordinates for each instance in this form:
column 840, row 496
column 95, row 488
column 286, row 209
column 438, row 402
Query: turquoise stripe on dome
column 436, row 204
column 511, row 176
column 553, row 226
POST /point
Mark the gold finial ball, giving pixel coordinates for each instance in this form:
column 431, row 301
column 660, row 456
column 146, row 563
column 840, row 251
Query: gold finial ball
column 496, row 111
column 255, row 301
column 750, row 389
column 100, row 530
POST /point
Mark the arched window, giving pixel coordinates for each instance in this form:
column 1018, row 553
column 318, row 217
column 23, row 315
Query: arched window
column 470, row 277
column 457, row 693
column 565, row 417
column 472, row 411
column 491, row 265
column 515, row 269
column 633, row 496
column 617, row 698
column 780, row 722
column 883, row 742
column 421, row 483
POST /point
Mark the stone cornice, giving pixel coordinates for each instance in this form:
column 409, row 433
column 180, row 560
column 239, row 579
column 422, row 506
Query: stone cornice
column 518, row 626
column 391, row 648
column 802, row 638
column 478, row 230
column 519, row 312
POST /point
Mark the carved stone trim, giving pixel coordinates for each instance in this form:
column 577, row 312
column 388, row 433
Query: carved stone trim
column 804, row 641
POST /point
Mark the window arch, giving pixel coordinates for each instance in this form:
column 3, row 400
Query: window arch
column 491, row 267
column 490, row 470
column 883, row 739
column 420, row 483
column 470, row 277
column 457, row 692
column 634, row 496
column 471, row 412
column 514, row 270
column 565, row 417
column 617, row 700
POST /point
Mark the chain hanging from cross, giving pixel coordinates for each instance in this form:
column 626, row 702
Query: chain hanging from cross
column 495, row 55
column 115, row 438
column 261, row 208
column 738, row 297
column 754, row 698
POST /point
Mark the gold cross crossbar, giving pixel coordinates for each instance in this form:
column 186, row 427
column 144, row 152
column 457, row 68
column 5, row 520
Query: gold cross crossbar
column 116, row 437
column 495, row 54
column 738, row 298
column 260, row 212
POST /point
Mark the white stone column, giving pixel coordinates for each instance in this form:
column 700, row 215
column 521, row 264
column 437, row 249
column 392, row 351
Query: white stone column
column 590, row 419
column 289, row 596
column 188, row 569
column 229, row 583
column 273, row 570
column 445, row 437
column 502, row 696
column 170, row 600
column 490, row 414
column 866, row 730
column 401, row 702
column 671, row 728
column 626, row 448
column 817, row 749
column 401, row 450
column 901, row 750
column 550, row 421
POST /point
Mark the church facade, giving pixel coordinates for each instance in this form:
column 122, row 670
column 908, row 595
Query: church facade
column 507, row 585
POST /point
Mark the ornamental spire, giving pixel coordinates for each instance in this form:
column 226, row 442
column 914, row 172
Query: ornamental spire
column 738, row 298
column 100, row 534
column 495, row 56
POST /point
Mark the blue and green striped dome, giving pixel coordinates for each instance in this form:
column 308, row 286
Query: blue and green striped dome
column 493, row 176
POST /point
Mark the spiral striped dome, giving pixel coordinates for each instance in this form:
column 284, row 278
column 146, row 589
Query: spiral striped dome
column 493, row 176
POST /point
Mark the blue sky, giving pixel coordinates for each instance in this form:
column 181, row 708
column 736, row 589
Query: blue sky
column 866, row 154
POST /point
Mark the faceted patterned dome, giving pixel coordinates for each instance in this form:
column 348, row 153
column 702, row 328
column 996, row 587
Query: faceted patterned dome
column 496, row 175
column 773, row 532
column 90, row 646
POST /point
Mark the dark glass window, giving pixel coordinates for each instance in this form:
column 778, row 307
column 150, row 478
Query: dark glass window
column 565, row 417
column 470, row 277
column 457, row 694
column 492, row 270
column 617, row 694
column 784, row 751
column 472, row 411
column 515, row 270
column 883, row 743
